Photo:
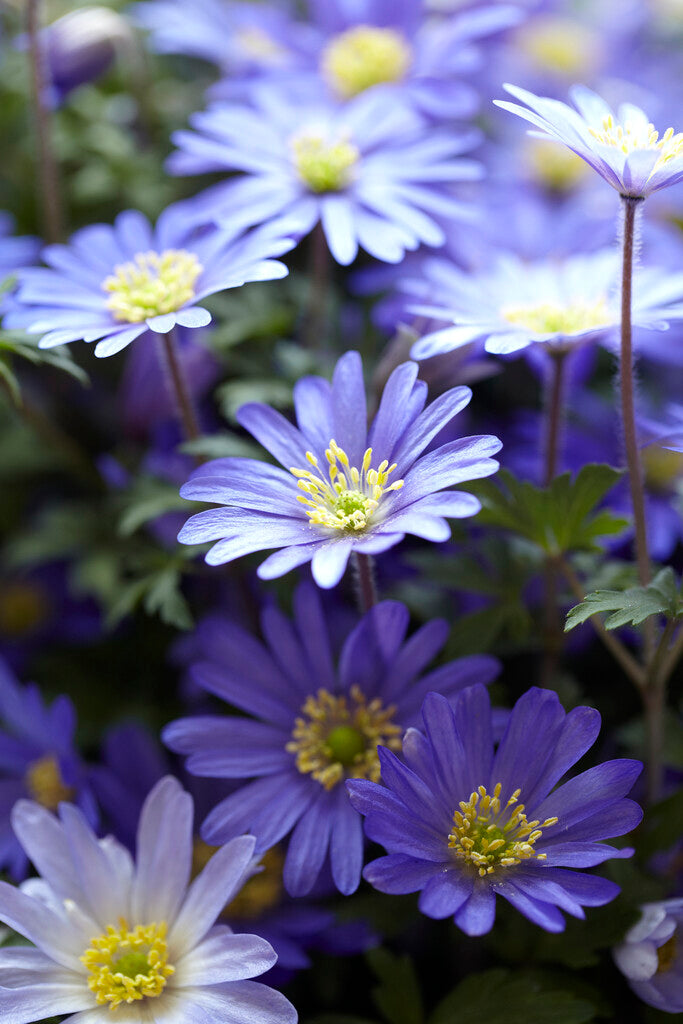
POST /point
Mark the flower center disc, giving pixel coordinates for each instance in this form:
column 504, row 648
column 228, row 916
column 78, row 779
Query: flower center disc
column 630, row 136
column 487, row 835
column 125, row 966
column 551, row 318
column 336, row 739
column 365, row 56
column 45, row 783
column 151, row 284
column 324, row 166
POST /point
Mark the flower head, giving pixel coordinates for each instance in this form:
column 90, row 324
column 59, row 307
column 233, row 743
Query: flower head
column 368, row 171
column 343, row 487
column 118, row 940
column 463, row 824
column 624, row 148
column 112, row 284
column 318, row 721
column 651, row 955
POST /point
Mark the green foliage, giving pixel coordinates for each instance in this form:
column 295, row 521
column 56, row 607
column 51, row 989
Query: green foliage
column 631, row 606
column 500, row 996
column 24, row 346
column 561, row 518
column 147, row 499
column 397, row 996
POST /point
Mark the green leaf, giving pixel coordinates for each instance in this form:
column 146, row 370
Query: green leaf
column 560, row 518
column 220, row 445
column 159, row 594
column 26, row 347
column 500, row 996
column 633, row 605
column 397, row 996
column 148, row 499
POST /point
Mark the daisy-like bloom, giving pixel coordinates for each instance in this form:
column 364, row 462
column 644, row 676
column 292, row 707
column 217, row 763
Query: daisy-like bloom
column 343, row 487
column 651, row 955
column 624, row 148
column 38, row 759
column 316, row 722
column 131, row 942
column 463, row 824
column 369, row 171
column 15, row 251
column 557, row 303
column 111, row 284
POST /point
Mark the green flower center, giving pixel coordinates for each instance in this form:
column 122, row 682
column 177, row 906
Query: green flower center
column 551, row 318
column 324, row 166
column 487, row 835
column 132, row 964
column 151, row 284
column 365, row 56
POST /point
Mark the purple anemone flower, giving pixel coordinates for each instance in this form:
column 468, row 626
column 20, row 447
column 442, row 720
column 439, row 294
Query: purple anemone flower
column 317, row 723
column 112, row 284
column 369, row 171
column 38, row 759
column 651, row 956
column 344, row 487
column 119, row 940
column 463, row 824
column 624, row 148
column 15, row 251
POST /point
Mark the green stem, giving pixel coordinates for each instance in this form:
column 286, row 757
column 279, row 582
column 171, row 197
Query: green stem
column 315, row 323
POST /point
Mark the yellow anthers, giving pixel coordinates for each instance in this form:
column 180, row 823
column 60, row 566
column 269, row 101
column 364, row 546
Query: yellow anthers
column 261, row 892
column 151, row 284
column 630, row 136
column 348, row 500
column 560, row 45
column 45, row 783
column 552, row 166
column 365, row 56
column 324, row 166
column 128, row 965
column 663, row 469
column 552, row 318
column 337, row 739
column 666, row 955
column 488, row 835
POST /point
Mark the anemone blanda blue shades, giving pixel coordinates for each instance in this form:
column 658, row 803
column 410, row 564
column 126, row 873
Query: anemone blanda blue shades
column 112, row 284
column 624, row 148
column 366, row 171
column 118, row 941
column 462, row 824
column 651, row 955
column 317, row 723
column 516, row 303
column 343, row 487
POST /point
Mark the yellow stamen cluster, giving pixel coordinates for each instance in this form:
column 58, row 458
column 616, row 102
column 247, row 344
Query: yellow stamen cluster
column 337, row 739
column 151, row 284
column 324, row 166
column 662, row 468
column 260, row 893
column 552, row 166
column 128, row 965
column 629, row 136
column 45, row 783
column 365, row 56
column 560, row 45
column 349, row 498
column 488, row 835
column 23, row 606
column 666, row 955
column 552, row 318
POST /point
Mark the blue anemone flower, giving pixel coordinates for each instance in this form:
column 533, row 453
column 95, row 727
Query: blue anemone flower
column 463, row 824
column 111, row 284
column 651, row 955
column 315, row 723
column 369, row 171
column 624, row 148
column 344, row 488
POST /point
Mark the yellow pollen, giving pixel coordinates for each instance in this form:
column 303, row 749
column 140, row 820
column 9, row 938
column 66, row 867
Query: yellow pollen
column 552, row 166
column 631, row 136
column 351, row 496
column 666, row 955
column 487, row 835
column 128, row 965
column 552, row 318
column 259, row 894
column 663, row 469
column 560, row 45
column 337, row 739
column 45, row 783
column 151, row 284
column 365, row 56
column 324, row 166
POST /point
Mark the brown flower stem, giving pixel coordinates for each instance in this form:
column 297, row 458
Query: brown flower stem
column 315, row 322
column 180, row 393
column 49, row 187
column 365, row 579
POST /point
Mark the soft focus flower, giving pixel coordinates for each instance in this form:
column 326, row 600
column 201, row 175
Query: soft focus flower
column 111, row 284
column 651, row 956
column 462, row 824
column 38, row 759
column 318, row 723
column 368, row 171
column 514, row 303
column 81, row 45
column 15, row 251
column 118, row 941
column 344, row 487
column 624, row 148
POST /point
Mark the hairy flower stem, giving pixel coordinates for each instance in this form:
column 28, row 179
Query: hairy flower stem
column 315, row 322
column 365, row 580
column 178, row 389
column 50, row 192
column 554, row 394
